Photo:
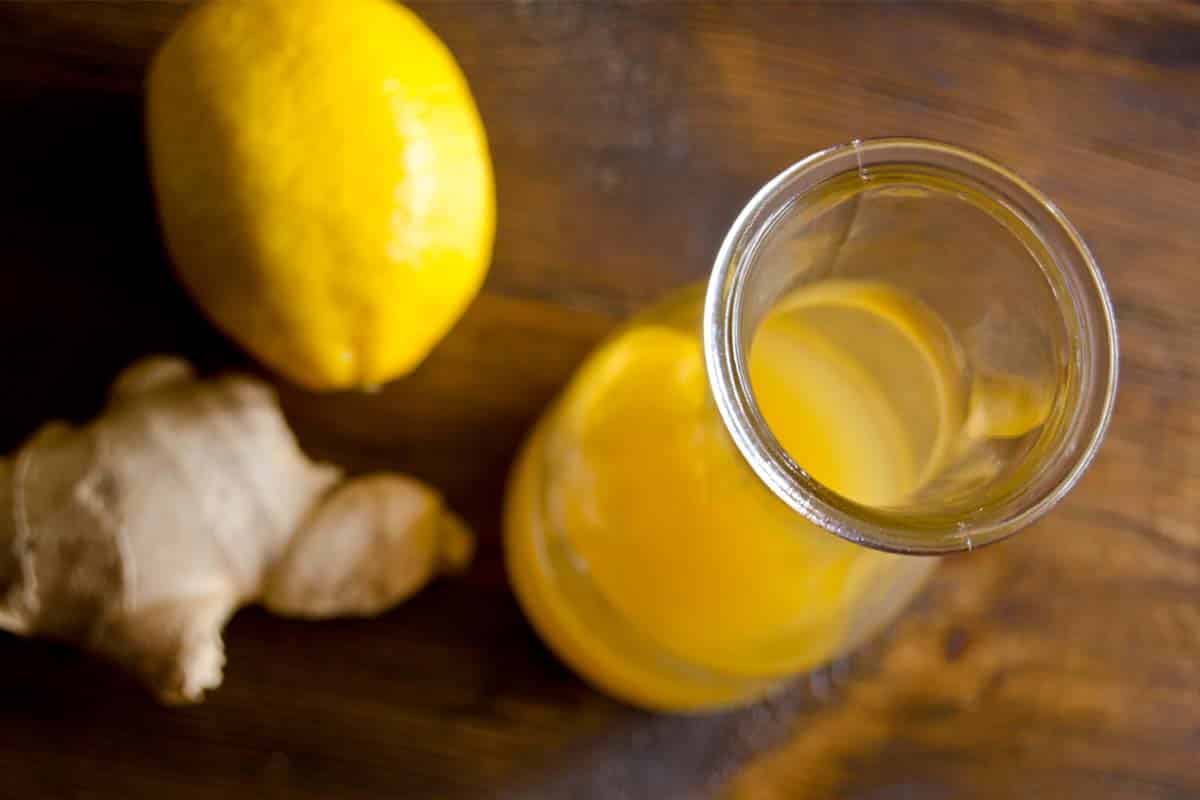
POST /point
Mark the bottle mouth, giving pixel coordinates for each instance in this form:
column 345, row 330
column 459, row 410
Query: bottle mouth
column 737, row 295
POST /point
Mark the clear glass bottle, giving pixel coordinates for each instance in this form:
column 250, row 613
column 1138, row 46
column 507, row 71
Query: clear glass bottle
column 903, row 350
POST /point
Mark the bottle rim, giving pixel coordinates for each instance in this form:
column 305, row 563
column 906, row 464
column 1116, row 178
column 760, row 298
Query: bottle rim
column 1083, row 300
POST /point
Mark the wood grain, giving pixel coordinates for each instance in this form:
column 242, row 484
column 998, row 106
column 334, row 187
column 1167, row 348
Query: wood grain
column 1064, row 663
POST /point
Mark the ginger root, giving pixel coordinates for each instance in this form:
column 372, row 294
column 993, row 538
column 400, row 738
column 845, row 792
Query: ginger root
column 138, row 535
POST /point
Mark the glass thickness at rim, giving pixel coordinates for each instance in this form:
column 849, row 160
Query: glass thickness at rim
column 1071, row 270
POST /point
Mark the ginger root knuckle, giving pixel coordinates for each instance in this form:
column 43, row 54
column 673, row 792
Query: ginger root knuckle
column 371, row 543
column 152, row 373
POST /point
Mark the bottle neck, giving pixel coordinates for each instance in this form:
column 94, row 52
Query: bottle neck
column 746, row 284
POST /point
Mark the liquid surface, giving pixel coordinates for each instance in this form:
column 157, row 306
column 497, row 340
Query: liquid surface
column 640, row 487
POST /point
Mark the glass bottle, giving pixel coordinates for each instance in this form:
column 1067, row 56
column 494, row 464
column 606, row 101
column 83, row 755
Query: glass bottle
column 903, row 350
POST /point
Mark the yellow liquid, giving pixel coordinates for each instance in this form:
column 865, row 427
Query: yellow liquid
column 653, row 560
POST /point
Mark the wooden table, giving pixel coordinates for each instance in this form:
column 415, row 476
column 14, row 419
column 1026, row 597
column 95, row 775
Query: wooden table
column 1064, row 663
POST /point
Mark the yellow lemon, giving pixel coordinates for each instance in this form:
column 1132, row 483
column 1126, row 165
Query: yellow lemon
column 323, row 181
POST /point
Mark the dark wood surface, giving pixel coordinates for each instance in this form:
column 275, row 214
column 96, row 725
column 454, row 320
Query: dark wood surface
column 1064, row 663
